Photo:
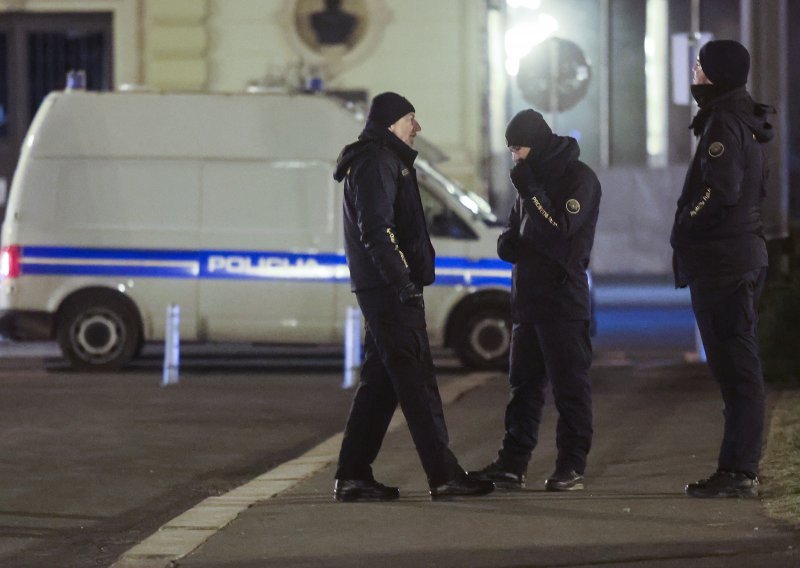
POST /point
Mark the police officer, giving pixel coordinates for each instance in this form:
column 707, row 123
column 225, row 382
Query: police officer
column 548, row 238
column 720, row 253
column 391, row 258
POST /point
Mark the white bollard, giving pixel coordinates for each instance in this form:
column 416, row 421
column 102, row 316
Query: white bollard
column 698, row 343
column 352, row 347
column 172, row 346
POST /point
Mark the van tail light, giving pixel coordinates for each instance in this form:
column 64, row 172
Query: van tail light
column 9, row 262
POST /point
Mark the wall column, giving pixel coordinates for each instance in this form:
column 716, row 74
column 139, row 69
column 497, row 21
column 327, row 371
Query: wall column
column 176, row 44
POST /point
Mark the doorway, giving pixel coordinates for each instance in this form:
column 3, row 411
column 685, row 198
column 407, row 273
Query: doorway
column 36, row 52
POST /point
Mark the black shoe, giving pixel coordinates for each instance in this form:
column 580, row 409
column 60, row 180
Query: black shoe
column 724, row 484
column 462, row 486
column 363, row 490
column 501, row 477
column 564, row 481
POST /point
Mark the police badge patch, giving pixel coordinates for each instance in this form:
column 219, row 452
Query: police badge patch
column 573, row 206
column 716, row 149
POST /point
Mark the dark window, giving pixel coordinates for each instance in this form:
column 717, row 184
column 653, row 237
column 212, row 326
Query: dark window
column 52, row 55
column 441, row 221
column 3, row 86
column 36, row 52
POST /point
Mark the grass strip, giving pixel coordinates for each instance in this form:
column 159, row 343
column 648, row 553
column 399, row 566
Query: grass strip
column 780, row 468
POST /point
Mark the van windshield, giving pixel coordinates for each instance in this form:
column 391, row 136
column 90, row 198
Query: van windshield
column 471, row 201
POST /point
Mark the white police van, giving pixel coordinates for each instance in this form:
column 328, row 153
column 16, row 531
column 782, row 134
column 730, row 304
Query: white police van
column 126, row 202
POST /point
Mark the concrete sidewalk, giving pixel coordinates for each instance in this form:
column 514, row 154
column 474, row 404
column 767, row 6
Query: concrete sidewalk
column 657, row 426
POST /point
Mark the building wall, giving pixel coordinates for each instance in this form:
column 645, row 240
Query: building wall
column 175, row 43
column 430, row 53
column 434, row 52
column 426, row 50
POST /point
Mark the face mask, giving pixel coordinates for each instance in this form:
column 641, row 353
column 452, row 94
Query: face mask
column 703, row 94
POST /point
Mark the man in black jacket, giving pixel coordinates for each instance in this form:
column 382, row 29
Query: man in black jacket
column 548, row 238
column 391, row 258
column 720, row 253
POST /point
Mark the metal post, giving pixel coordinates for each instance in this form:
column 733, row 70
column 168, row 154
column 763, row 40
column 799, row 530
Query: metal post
column 694, row 46
column 745, row 23
column 698, row 345
column 555, row 48
column 172, row 346
column 767, row 23
column 605, row 84
column 694, row 43
column 352, row 347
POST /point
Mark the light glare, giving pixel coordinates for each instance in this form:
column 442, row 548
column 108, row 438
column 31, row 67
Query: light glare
column 529, row 4
column 520, row 39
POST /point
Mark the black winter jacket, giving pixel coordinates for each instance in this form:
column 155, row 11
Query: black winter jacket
column 718, row 229
column 550, row 233
column 385, row 235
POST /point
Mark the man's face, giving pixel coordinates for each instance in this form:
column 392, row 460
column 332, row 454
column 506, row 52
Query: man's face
column 406, row 128
column 699, row 77
column 519, row 153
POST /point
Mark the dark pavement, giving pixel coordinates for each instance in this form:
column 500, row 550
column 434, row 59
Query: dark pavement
column 658, row 423
column 91, row 464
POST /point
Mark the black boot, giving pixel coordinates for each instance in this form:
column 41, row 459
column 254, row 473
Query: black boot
column 363, row 490
column 501, row 476
column 725, row 484
column 462, row 486
column 564, row 481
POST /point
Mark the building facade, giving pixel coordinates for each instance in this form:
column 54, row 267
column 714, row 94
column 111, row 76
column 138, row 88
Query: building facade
column 611, row 73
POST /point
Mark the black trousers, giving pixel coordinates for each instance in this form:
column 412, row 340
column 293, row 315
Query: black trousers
column 397, row 368
column 726, row 309
column 561, row 352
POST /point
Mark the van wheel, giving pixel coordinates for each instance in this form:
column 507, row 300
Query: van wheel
column 484, row 340
column 98, row 331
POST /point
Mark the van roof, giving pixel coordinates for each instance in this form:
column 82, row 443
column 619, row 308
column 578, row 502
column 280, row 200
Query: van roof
column 191, row 125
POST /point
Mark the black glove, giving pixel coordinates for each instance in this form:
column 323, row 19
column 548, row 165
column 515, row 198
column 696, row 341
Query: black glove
column 523, row 179
column 410, row 295
column 507, row 247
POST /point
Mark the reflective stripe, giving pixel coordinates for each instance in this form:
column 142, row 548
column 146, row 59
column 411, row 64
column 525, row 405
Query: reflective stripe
column 393, row 239
column 703, row 200
column 544, row 212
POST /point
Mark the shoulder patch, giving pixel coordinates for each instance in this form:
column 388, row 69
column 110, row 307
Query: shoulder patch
column 573, row 206
column 405, row 172
column 716, row 149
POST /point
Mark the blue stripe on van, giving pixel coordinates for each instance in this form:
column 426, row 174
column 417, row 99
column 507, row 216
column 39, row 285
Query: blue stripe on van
column 236, row 265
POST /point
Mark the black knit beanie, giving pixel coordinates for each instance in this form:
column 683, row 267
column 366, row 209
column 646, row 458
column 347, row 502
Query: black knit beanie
column 725, row 62
column 528, row 128
column 387, row 108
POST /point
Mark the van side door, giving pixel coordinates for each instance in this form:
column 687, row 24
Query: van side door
column 268, row 242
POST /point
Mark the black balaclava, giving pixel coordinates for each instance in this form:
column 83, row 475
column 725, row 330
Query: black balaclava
column 528, row 128
column 387, row 108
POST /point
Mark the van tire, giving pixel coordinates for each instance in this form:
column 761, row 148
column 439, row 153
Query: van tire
column 484, row 339
column 98, row 331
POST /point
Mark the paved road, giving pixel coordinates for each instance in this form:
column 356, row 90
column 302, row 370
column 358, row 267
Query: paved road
column 92, row 464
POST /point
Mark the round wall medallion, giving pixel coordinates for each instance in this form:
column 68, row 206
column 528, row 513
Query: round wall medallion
column 333, row 35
